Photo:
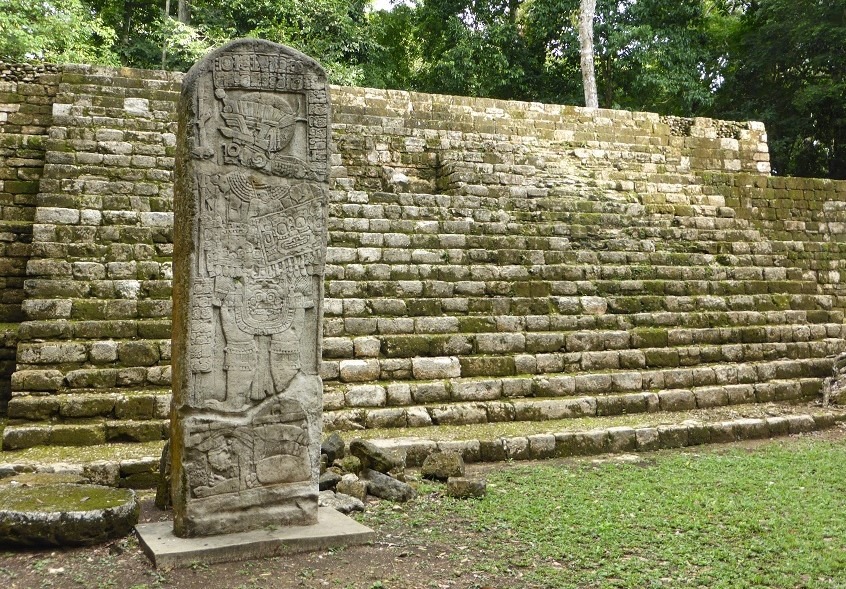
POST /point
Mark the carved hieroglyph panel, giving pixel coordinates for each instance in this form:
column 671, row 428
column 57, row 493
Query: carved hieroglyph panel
column 249, row 252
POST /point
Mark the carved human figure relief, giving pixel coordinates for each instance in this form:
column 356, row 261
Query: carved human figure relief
column 249, row 252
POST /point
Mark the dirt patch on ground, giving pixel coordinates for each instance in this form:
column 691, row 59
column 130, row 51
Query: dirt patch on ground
column 405, row 555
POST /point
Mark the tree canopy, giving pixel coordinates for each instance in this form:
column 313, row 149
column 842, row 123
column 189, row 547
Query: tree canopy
column 780, row 61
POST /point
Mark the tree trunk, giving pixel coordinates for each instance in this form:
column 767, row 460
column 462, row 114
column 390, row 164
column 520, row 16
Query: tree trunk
column 164, row 39
column 183, row 12
column 586, row 15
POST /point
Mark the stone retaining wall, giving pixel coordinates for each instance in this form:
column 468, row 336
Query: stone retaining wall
column 481, row 251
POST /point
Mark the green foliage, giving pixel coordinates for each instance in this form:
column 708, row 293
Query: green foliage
column 650, row 55
column 65, row 31
column 780, row 61
column 788, row 68
column 466, row 47
column 335, row 32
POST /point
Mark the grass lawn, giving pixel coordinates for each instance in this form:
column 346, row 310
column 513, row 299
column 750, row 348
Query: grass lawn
column 770, row 516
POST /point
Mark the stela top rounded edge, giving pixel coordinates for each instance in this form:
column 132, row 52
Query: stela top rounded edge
column 257, row 45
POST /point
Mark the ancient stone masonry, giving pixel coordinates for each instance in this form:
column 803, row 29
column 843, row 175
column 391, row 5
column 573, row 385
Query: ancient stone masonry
column 249, row 253
column 487, row 260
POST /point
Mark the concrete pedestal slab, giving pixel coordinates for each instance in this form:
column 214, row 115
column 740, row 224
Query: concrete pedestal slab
column 331, row 530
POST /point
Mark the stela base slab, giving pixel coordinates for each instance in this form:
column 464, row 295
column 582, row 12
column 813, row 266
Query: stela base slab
column 332, row 530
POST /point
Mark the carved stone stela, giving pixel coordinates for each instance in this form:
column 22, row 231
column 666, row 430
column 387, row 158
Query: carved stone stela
column 249, row 253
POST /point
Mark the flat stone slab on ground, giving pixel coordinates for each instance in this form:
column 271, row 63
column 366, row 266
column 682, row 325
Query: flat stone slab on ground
column 331, row 530
column 64, row 514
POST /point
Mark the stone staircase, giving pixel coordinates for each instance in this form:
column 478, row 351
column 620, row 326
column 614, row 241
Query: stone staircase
column 94, row 352
column 438, row 318
column 491, row 265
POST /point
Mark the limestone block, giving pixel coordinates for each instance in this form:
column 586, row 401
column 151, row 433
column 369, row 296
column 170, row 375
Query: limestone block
column 647, row 439
column 555, row 386
column 57, row 216
column 622, row 439
column 366, row 347
column 476, row 390
column 430, row 392
column 442, row 465
column 37, row 380
column 517, row 448
column 385, row 418
column 359, row 370
column 672, row 436
column 386, row 487
column 351, row 485
column 418, row 417
column 435, row 368
column 541, row 446
column 466, row 488
column 103, row 352
column 677, row 400
column 398, row 394
column 458, row 415
column 593, row 305
column 500, row 343
column 366, row 396
column 593, row 384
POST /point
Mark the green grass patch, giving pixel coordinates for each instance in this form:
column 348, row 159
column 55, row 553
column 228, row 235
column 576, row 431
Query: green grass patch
column 771, row 517
column 83, row 454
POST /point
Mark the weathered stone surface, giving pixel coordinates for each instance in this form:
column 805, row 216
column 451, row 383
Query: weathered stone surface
column 466, row 488
column 333, row 447
column 373, row 457
column 65, row 514
column 386, row 487
column 353, row 486
column 252, row 168
column 163, row 488
column 328, row 480
column 340, row 502
column 442, row 465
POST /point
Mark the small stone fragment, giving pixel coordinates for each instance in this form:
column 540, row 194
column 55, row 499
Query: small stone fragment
column 385, row 487
column 333, row 447
column 466, row 488
column 372, row 456
column 442, row 465
column 339, row 502
column 328, row 481
column 351, row 485
column 163, row 499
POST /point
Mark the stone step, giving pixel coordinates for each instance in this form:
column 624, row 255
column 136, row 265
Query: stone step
column 354, row 317
column 63, row 329
column 395, row 393
column 557, row 408
column 452, row 336
column 391, row 316
column 131, row 465
column 496, row 442
column 136, row 465
column 484, row 223
column 447, row 373
column 83, row 432
column 505, row 281
column 79, row 353
column 381, row 263
column 119, row 404
column 124, row 310
column 525, row 303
